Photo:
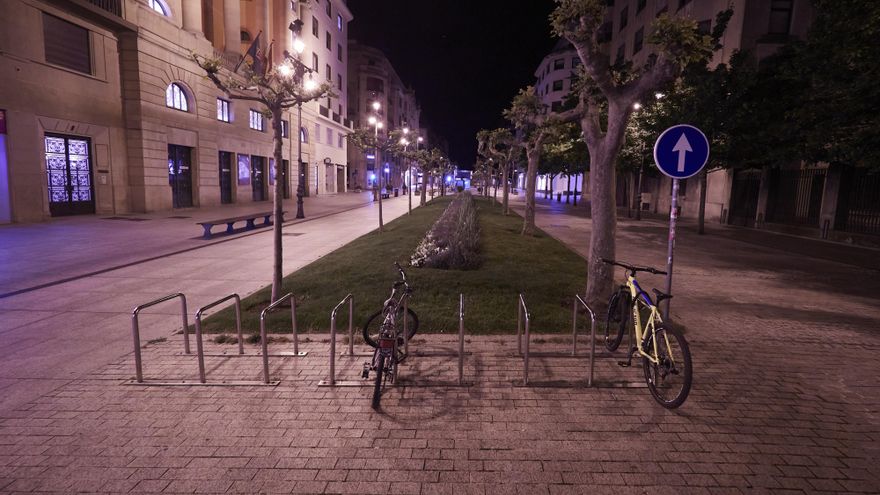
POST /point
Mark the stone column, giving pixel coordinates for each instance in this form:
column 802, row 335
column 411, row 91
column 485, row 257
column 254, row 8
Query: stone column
column 267, row 23
column 232, row 25
column 830, row 196
column 192, row 16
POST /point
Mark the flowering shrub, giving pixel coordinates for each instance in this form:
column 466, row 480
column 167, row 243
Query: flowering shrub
column 453, row 240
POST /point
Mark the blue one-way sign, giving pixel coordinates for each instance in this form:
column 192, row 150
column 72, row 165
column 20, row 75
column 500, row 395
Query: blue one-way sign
column 681, row 151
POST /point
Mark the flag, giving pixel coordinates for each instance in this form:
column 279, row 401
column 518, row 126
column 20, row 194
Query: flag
column 253, row 51
column 267, row 59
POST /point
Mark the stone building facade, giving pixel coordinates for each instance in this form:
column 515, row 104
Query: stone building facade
column 372, row 78
column 106, row 113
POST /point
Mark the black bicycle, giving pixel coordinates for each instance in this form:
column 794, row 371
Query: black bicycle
column 384, row 332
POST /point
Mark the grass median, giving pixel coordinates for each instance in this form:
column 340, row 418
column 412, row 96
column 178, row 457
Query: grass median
column 541, row 268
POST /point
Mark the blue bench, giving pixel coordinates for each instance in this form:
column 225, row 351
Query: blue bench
column 250, row 219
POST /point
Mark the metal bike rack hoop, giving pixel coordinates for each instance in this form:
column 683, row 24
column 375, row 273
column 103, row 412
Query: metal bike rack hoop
column 264, row 339
column 350, row 299
column 523, row 311
column 461, row 339
column 199, row 344
column 136, row 335
column 578, row 300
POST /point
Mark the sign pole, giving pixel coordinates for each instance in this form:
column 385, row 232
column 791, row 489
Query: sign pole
column 673, row 216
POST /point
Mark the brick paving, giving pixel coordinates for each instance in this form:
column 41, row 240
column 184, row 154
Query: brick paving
column 785, row 400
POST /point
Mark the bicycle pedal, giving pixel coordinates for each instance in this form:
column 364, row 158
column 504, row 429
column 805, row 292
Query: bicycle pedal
column 624, row 364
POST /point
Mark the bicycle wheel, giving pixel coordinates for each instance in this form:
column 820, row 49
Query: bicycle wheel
column 380, row 375
column 617, row 319
column 374, row 324
column 670, row 380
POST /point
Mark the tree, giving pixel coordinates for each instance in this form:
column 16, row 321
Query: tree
column 366, row 139
column 565, row 154
column 500, row 147
column 277, row 88
column 605, row 103
column 534, row 126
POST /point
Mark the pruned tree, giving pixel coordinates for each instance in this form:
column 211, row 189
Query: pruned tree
column 500, row 147
column 277, row 88
column 367, row 139
column 605, row 103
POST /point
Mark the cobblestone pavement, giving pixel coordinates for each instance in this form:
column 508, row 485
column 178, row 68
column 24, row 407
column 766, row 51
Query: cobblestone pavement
column 785, row 400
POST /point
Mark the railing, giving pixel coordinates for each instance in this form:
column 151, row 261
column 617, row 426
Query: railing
column 136, row 335
column 325, row 112
column 350, row 299
column 199, row 346
column 112, row 6
column 228, row 60
column 579, row 301
column 523, row 311
column 264, row 340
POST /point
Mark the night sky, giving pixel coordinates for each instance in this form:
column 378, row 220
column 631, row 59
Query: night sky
column 465, row 59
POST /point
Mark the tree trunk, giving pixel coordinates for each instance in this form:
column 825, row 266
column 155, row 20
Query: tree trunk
column 568, row 189
column 701, row 219
column 534, row 155
column 409, row 190
column 495, row 180
column 424, row 188
column 381, row 188
column 277, row 204
column 505, row 195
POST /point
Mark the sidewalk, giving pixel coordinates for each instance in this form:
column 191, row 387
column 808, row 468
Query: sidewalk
column 39, row 253
column 55, row 334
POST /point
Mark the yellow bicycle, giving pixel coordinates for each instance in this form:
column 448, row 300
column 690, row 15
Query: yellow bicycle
column 666, row 357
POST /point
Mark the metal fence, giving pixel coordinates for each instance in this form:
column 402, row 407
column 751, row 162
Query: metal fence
column 795, row 196
column 858, row 204
column 112, row 6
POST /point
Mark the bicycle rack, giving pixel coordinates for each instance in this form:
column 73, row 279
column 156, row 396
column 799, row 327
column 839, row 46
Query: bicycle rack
column 331, row 381
column 264, row 341
column 136, row 334
column 578, row 300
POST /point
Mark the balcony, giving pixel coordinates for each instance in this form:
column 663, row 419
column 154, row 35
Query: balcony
column 227, row 60
column 336, row 118
column 325, row 112
column 112, row 6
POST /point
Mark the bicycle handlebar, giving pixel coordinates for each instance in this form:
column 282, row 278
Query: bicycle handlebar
column 400, row 269
column 633, row 268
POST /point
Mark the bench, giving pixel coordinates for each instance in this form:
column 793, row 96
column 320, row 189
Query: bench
column 250, row 218
column 386, row 196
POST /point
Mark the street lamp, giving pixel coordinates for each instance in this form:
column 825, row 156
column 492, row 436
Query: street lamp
column 293, row 67
column 642, row 167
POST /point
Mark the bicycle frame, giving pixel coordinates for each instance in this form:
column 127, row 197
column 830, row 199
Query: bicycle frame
column 641, row 298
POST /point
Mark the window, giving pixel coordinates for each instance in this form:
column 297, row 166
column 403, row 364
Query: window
column 256, row 120
column 339, row 22
column 317, row 133
column 638, row 40
column 315, row 62
column 662, row 6
column 705, row 27
column 559, row 64
column 329, row 41
column 375, row 84
column 315, row 26
column 303, row 135
column 329, row 9
column 329, row 72
column 159, row 7
column 621, row 53
column 285, row 129
column 244, row 36
column 557, row 85
column 175, row 97
column 339, row 81
column 341, row 143
column 556, row 106
column 222, row 110
column 780, row 16
column 575, row 61
column 329, row 136
column 67, row 44
column 682, row 3
column 339, row 52
column 624, row 18
column 640, row 5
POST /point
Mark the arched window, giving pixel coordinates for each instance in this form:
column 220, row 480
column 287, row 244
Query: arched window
column 175, row 97
column 303, row 135
column 159, row 7
column 245, row 36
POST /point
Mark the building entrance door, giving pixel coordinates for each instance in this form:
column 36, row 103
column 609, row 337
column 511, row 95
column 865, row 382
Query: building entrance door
column 285, row 178
column 69, row 171
column 225, row 177
column 744, row 197
column 258, row 178
column 180, row 175
column 340, row 179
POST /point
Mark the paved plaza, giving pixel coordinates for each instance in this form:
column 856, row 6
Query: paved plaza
column 785, row 396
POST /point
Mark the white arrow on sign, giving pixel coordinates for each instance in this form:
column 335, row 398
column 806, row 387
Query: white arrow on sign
column 682, row 147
